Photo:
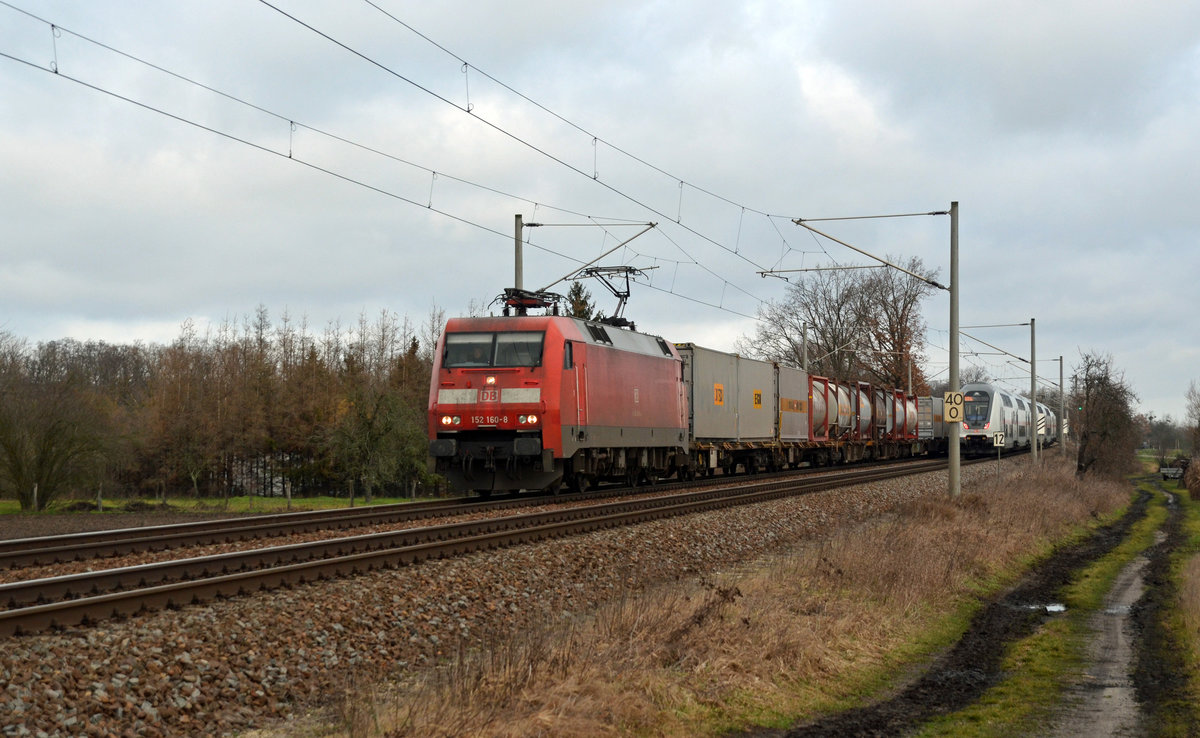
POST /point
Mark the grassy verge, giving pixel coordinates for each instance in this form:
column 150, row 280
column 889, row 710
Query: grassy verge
column 241, row 504
column 827, row 626
column 1044, row 665
column 1183, row 620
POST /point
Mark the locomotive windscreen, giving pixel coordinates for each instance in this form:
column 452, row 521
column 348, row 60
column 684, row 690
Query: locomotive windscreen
column 465, row 350
column 975, row 406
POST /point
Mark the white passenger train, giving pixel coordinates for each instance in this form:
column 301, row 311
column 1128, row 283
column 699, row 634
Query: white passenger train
column 993, row 416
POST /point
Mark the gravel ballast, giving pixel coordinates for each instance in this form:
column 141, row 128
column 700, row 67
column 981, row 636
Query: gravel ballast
column 251, row 661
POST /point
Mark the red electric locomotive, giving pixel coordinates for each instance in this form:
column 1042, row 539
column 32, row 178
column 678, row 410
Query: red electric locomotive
column 533, row 402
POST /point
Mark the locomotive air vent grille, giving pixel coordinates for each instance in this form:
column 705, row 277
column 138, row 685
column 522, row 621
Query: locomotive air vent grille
column 599, row 334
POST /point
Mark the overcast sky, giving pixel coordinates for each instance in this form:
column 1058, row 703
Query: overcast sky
column 1067, row 131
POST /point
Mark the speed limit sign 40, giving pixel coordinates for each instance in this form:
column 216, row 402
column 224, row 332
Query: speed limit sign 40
column 953, row 412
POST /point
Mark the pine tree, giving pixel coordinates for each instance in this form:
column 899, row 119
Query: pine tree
column 579, row 302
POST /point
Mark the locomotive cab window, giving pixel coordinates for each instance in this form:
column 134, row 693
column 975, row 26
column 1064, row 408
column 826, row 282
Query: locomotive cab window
column 466, row 350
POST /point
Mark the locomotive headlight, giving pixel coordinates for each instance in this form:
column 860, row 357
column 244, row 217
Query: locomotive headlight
column 490, row 380
column 451, row 420
column 532, row 419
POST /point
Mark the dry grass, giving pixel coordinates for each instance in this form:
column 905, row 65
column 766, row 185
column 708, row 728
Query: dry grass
column 1189, row 615
column 1189, row 584
column 1191, row 478
column 804, row 631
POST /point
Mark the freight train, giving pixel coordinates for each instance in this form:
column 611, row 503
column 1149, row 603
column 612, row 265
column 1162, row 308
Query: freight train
column 539, row 402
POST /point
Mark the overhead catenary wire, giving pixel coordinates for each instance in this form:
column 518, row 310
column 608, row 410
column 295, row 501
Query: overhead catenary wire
column 434, row 174
column 997, row 348
column 509, row 134
column 290, row 121
column 292, row 155
column 596, row 138
column 927, row 280
column 266, row 149
column 801, row 221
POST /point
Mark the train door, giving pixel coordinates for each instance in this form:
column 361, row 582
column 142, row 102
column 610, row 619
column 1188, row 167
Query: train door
column 575, row 380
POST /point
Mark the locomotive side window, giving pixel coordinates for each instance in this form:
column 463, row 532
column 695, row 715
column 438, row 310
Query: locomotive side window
column 465, row 350
column 1007, row 400
column 568, row 355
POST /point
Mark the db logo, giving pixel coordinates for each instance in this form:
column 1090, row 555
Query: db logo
column 489, row 395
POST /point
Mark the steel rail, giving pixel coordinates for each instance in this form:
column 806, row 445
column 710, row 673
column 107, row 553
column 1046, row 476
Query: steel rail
column 42, row 551
column 49, row 589
column 21, row 552
column 438, row 541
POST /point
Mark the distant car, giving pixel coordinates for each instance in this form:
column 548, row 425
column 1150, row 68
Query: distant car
column 1170, row 472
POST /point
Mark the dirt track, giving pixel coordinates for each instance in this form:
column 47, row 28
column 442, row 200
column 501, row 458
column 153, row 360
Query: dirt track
column 1105, row 702
column 1158, row 674
column 1130, row 680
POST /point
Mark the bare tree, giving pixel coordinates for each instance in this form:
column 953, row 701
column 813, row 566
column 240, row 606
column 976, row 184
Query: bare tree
column 1193, row 415
column 431, row 332
column 966, row 375
column 1104, row 419
column 823, row 305
column 860, row 324
column 1164, row 436
column 895, row 329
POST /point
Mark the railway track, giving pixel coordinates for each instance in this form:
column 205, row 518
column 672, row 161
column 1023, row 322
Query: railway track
column 70, row 600
column 48, row 550
column 42, row 551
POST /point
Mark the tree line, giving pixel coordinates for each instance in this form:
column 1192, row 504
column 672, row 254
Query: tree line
column 273, row 408
column 247, row 407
